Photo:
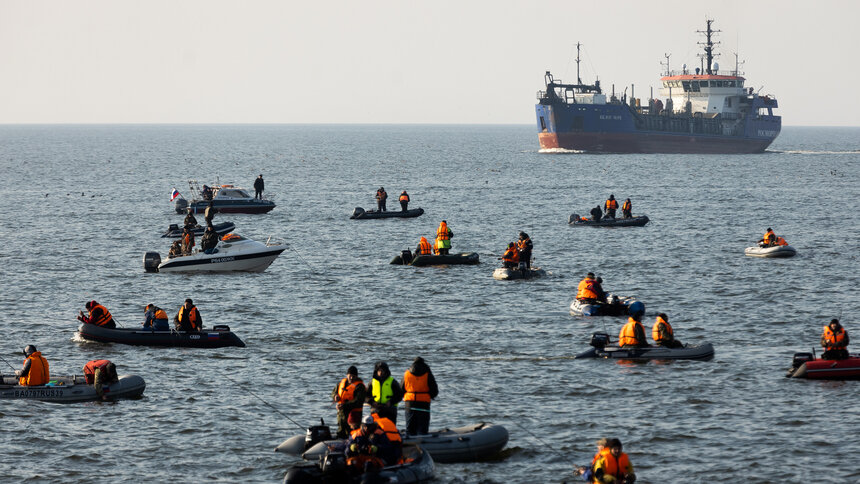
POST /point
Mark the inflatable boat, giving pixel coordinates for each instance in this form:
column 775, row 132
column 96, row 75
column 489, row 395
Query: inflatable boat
column 175, row 231
column 418, row 466
column 507, row 274
column 576, row 221
column 360, row 214
column 232, row 254
column 470, row 258
column 462, row 444
column 772, row 251
column 805, row 365
column 601, row 349
column 615, row 306
column 217, row 337
column 71, row 389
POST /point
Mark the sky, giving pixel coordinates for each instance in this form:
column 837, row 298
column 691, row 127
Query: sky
column 447, row 62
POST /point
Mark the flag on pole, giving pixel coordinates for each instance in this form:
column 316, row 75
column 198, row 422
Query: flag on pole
column 174, row 194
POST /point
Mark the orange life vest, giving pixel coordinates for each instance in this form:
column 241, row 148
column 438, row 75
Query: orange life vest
column 416, row 387
column 627, row 336
column 655, row 331
column 346, row 390
column 442, row 231
column 626, row 207
column 511, row 255
column 387, row 426
column 160, row 314
column 599, row 454
column 102, row 320
column 404, row 197
column 38, row 374
column 615, row 467
column 424, row 247
column 522, row 244
column 229, row 237
column 835, row 340
column 90, row 369
column 781, row 241
column 586, row 289
column 193, row 317
column 612, row 204
column 769, row 237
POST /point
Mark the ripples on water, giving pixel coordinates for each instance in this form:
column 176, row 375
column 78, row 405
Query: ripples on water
column 501, row 351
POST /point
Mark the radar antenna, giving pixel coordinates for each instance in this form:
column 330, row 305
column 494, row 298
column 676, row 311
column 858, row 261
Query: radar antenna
column 709, row 46
column 668, row 73
column 738, row 65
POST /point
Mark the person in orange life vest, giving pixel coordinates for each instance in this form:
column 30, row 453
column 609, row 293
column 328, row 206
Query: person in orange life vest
column 610, row 206
column 525, row 246
column 424, row 247
column 393, row 452
column 404, row 201
column 381, row 197
column 589, row 290
column 188, row 318
column 511, row 257
column 155, row 318
column 627, row 209
column 384, row 393
column 780, row 241
column 835, row 341
column 443, row 238
column 614, row 467
column 420, row 387
column 35, row 369
column 98, row 315
column 769, row 238
column 365, row 447
column 187, row 241
column 349, row 396
column 632, row 335
column 587, row 473
column 663, row 334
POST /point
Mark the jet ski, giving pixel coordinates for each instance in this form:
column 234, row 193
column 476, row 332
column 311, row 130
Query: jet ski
column 601, row 348
column 233, row 253
column 638, row 221
column 175, row 231
column 806, row 365
column 71, row 389
column 614, row 306
column 361, row 214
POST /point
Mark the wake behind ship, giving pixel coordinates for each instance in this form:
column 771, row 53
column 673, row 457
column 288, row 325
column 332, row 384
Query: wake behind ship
column 708, row 111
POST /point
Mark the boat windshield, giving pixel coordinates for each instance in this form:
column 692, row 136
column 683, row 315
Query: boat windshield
column 232, row 193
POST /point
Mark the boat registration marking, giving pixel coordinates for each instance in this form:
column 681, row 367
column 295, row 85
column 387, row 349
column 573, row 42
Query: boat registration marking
column 194, row 336
column 221, row 259
column 37, row 393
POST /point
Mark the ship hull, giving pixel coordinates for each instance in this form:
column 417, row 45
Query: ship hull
column 649, row 142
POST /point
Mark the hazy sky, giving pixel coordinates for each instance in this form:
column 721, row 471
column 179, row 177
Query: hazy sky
column 403, row 61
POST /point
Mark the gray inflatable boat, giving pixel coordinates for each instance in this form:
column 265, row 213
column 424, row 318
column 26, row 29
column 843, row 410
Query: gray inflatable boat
column 71, row 389
column 576, row 221
column 601, row 348
column 508, row 274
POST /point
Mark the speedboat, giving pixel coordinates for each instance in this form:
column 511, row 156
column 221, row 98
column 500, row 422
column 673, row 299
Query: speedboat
column 407, row 259
column 601, row 348
column 360, row 214
column 416, row 466
column 175, row 231
column 233, row 253
column 771, row 251
column 614, row 306
column 225, row 198
column 806, row 365
column 71, row 389
column 508, row 274
column 461, row 444
column 217, row 337
column 576, row 221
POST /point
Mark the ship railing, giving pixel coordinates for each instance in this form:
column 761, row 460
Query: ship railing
column 692, row 72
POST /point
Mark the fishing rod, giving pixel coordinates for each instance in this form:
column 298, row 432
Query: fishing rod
column 267, row 403
column 10, row 364
column 303, row 259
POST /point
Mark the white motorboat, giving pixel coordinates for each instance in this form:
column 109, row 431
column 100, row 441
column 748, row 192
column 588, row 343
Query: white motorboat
column 233, row 253
column 772, row 251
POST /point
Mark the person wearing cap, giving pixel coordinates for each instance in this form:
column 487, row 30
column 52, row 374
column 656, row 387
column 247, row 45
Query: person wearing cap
column 614, row 467
column 188, row 318
column 381, row 197
column 385, row 393
column 420, row 387
column 35, row 369
column 587, row 473
column 632, row 335
column 663, row 334
column 588, row 290
column 190, row 221
column 511, row 257
column 610, row 206
column 834, row 339
column 155, row 318
column 98, row 315
column 524, row 247
column 349, row 396
column 404, row 200
column 443, row 238
column 366, row 447
column 259, row 185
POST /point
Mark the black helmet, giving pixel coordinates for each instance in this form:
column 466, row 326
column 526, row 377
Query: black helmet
column 29, row 350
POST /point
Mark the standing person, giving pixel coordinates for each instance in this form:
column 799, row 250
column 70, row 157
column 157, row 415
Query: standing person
column 835, row 341
column 349, row 396
column 385, row 392
column 35, row 369
column 404, row 200
column 663, row 334
column 381, row 196
column 188, row 318
column 190, row 221
column 209, row 214
column 632, row 335
column 420, row 387
column 614, row 466
column 187, row 240
column 98, row 315
column 206, row 193
column 155, row 318
column 610, row 206
column 525, row 246
column 443, row 238
column 209, row 240
column 259, row 185
column 627, row 209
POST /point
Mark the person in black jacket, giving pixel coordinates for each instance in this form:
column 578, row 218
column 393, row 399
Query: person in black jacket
column 419, row 388
column 259, row 185
column 209, row 240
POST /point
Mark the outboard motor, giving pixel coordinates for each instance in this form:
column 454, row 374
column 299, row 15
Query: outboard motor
column 357, row 212
column 599, row 340
column 406, row 256
column 180, row 205
column 799, row 359
column 151, row 260
column 173, row 227
column 574, row 217
column 333, row 464
column 317, row 433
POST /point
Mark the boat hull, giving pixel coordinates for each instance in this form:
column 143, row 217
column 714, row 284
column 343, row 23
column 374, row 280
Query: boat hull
column 508, row 274
column 619, row 308
column 360, row 214
column 464, row 258
column 419, row 468
column 651, row 142
column 704, row 351
column 257, row 261
column 139, row 337
column 639, row 221
column 847, row 369
column 772, row 252
column 175, row 231
column 73, row 389
column 231, row 206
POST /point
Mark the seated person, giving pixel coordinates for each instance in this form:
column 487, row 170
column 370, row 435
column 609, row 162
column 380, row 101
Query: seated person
column 596, row 213
column 769, row 238
column 632, row 335
column 834, row 340
column 614, row 466
column 35, row 369
column 363, row 446
column 588, row 289
column 392, row 453
column 188, row 318
column 511, row 257
column 424, row 247
column 190, row 221
column 175, row 249
column 209, row 240
column 662, row 333
column 98, row 315
column 155, row 318
column 187, row 241
column 206, row 193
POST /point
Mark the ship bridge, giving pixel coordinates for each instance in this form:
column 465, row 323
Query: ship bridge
column 707, row 93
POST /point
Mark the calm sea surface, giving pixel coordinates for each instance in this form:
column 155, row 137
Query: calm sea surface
column 81, row 204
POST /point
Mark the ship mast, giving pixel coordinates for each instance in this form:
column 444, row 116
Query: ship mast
column 578, row 80
column 709, row 46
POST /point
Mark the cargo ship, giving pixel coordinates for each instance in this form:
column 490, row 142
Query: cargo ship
column 705, row 111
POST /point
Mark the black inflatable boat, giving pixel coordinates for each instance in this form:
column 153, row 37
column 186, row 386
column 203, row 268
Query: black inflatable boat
column 407, row 259
column 217, row 337
column 360, row 213
column 175, row 231
column 577, row 221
